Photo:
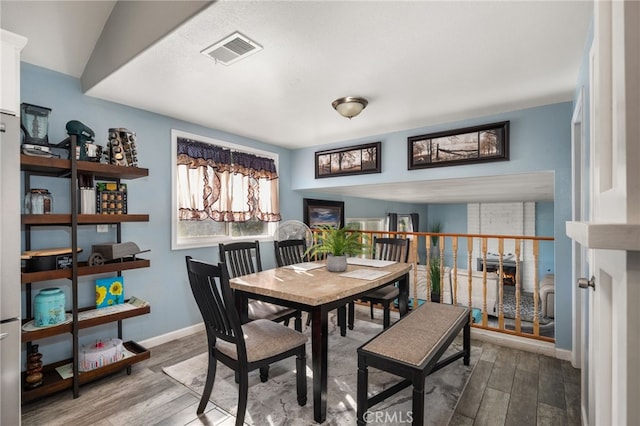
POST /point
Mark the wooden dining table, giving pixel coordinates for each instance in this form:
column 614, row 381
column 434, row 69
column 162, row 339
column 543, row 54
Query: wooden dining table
column 318, row 292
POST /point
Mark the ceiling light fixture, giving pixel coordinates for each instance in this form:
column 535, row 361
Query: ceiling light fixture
column 349, row 106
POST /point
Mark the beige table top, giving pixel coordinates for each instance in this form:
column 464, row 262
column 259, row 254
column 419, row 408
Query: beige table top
column 315, row 287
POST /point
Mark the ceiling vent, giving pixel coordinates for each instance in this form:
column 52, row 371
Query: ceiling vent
column 232, row 49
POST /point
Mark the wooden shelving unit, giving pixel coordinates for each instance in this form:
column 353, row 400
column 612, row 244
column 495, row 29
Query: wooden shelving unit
column 70, row 169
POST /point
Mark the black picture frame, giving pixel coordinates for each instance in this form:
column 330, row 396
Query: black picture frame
column 323, row 212
column 477, row 144
column 353, row 160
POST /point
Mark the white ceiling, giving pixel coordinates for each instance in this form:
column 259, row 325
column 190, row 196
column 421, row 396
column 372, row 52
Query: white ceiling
column 417, row 62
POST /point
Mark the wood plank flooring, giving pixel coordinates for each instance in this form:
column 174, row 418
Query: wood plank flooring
column 507, row 387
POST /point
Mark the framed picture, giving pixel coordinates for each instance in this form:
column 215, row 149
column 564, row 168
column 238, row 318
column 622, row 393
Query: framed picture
column 354, row 160
column 321, row 212
column 489, row 142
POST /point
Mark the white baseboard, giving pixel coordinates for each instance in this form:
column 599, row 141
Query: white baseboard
column 563, row 354
column 520, row 343
column 173, row 335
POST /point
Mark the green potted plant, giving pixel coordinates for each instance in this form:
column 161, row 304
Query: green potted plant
column 436, row 228
column 337, row 244
column 434, row 272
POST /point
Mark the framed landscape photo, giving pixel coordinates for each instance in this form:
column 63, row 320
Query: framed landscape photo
column 354, row 160
column 489, row 142
column 320, row 212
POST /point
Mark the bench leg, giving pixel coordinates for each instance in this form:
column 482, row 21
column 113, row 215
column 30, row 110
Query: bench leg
column 363, row 384
column 417, row 409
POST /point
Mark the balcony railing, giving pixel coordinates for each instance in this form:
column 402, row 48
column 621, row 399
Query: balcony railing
column 505, row 298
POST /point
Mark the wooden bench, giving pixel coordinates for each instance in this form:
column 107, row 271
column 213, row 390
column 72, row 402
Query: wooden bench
column 411, row 348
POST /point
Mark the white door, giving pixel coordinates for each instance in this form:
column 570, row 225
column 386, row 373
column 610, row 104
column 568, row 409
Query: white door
column 613, row 233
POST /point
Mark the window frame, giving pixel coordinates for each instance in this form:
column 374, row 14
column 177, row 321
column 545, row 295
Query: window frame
column 181, row 243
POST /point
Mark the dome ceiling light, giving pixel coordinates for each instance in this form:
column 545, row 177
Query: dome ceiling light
column 349, row 106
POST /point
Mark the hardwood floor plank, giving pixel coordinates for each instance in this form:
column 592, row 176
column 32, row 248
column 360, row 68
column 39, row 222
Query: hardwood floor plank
column 490, row 352
column 178, row 350
column 503, row 371
column 472, row 396
column 522, row 409
column 459, row 420
column 188, row 415
column 551, row 389
column 213, row 417
column 493, row 408
column 572, row 398
column 552, row 366
column 528, row 361
column 549, row 415
column 156, row 408
column 570, row 374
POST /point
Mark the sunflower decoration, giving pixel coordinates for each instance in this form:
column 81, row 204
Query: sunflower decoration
column 116, row 288
column 109, row 291
column 101, row 293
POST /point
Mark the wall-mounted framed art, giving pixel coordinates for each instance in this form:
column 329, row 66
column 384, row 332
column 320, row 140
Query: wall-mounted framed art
column 489, row 142
column 321, row 212
column 353, row 160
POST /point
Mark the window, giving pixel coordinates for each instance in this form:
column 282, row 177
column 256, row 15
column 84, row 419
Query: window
column 221, row 191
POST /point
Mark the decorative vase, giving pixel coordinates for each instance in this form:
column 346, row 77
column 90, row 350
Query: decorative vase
column 34, row 374
column 435, row 297
column 336, row 263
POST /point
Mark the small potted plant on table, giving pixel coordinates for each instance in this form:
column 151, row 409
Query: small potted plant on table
column 337, row 244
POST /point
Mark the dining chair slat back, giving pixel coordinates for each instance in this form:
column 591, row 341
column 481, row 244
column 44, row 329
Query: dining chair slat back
column 289, row 252
column 394, row 249
column 214, row 297
column 241, row 258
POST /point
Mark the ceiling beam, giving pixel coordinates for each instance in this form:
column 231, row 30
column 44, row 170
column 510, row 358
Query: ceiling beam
column 133, row 27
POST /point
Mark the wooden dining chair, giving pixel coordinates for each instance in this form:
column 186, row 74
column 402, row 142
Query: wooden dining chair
column 290, row 252
column 243, row 348
column 243, row 258
column 395, row 249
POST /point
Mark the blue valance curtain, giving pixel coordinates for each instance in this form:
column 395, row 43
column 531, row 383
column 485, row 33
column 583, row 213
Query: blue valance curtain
column 225, row 185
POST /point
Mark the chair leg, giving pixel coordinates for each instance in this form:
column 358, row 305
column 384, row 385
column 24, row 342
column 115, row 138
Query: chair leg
column 352, row 314
column 371, row 308
column 301, row 376
column 342, row 320
column 387, row 314
column 208, row 386
column 297, row 323
column 242, row 397
column 264, row 373
column 286, row 322
column 308, row 319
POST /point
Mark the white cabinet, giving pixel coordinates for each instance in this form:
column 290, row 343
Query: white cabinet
column 12, row 45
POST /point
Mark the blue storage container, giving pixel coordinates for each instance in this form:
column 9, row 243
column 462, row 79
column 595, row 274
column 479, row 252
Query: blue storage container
column 48, row 307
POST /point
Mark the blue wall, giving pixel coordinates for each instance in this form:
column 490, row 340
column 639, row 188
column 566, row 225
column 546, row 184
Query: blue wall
column 540, row 140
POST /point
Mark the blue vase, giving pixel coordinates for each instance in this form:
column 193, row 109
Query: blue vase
column 48, row 307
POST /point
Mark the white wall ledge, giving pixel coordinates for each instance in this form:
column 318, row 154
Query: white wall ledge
column 607, row 236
